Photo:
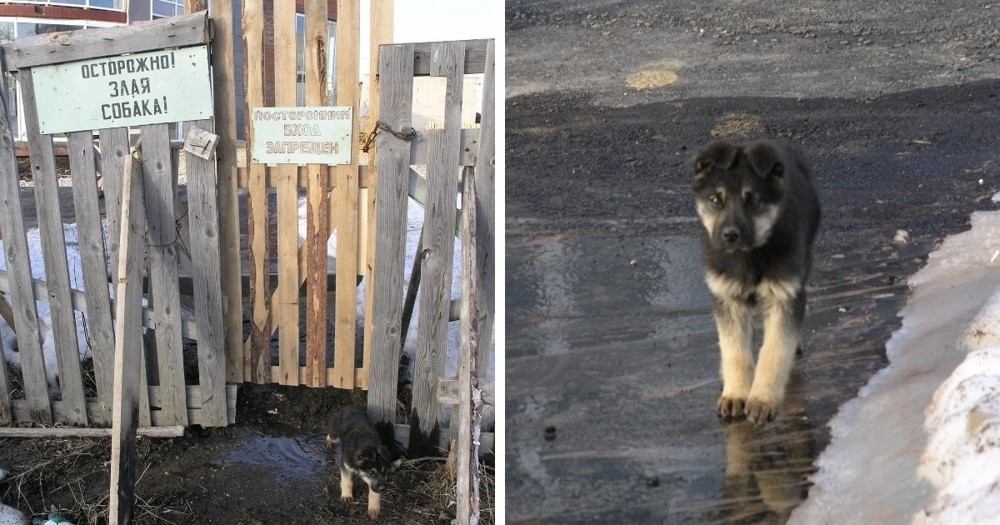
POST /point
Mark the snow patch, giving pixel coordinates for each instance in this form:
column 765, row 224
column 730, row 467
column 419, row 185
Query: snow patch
column 920, row 442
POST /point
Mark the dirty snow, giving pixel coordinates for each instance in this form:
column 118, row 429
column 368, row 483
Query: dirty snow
column 921, row 442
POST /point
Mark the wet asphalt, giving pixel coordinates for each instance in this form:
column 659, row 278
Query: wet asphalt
column 611, row 353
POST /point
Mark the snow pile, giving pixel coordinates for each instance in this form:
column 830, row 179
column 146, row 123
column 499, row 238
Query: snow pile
column 920, row 442
column 962, row 458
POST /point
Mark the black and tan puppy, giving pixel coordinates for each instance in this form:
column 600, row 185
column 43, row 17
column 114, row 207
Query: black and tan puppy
column 363, row 454
column 758, row 204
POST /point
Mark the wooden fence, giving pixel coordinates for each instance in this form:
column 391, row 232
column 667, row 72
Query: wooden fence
column 182, row 380
column 298, row 332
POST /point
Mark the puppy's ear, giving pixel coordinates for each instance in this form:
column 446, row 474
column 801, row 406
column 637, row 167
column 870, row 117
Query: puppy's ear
column 383, row 454
column 719, row 154
column 764, row 159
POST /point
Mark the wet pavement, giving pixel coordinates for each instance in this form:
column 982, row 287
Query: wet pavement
column 611, row 352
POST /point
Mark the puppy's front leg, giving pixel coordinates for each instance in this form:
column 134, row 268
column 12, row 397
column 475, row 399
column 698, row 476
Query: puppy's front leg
column 782, row 334
column 346, row 485
column 374, row 500
column 734, row 321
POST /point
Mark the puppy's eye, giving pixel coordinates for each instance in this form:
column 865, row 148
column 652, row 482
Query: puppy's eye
column 716, row 202
column 751, row 200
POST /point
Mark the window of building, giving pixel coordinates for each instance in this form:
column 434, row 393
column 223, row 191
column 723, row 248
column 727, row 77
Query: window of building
column 166, row 8
column 112, row 5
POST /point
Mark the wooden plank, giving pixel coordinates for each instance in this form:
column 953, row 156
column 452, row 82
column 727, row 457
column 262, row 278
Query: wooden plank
column 128, row 348
column 438, row 252
column 71, row 432
column 470, row 398
column 164, row 297
column 401, row 433
column 100, row 328
column 224, row 85
column 381, row 12
column 317, row 198
column 474, row 59
column 203, row 194
column 55, row 48
column 396, row 73
column 257, row 361
column 54, row 249
column 486, row 211
column 114, row 154
column 195, row 404
column 286, row 298
column 448, row 391
column 15, row 250
column 345, row 197
column 329, row 374
column 194, row 410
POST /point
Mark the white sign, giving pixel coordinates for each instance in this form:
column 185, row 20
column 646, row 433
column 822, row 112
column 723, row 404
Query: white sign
column 307, row 135
column 154, row 87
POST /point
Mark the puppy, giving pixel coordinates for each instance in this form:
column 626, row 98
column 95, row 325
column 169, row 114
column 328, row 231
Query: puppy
column 363, row 454
column 760, row 212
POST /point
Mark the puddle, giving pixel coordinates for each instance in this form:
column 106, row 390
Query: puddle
column 612, row 379
column 286, row 457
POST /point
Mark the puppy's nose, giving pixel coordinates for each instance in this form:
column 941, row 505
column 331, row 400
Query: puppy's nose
column 731, row 235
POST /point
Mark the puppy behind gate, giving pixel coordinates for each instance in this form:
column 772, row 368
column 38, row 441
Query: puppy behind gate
column 363, row 454
column 758, row 204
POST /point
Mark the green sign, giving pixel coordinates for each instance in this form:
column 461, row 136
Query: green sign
column 155, row 87
column 306, row 135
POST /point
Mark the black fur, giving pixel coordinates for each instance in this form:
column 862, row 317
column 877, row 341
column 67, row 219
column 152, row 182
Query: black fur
column 363, row 452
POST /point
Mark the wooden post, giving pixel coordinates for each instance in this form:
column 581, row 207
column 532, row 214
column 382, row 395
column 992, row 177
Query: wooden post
column 25, row 322
column 286, row 300
column 438, row 251
column 485, row 206
column 101, row 336
column 257, row 358
column 128, row 346
column 206, row 244
column 470, row 397
column 317, row 200
column 164, row 295
column 224, row 85
column 345, row 196
column 396, row 71
column 381, row 33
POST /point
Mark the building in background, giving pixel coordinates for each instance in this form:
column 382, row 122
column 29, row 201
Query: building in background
column 20, row 18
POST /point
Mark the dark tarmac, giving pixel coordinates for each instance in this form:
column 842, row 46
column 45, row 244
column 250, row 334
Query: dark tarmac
column 611, row 352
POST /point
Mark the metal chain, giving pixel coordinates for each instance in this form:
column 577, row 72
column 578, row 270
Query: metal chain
column 407, row 135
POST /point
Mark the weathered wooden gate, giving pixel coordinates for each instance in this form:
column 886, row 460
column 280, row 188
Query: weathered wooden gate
column 184, row 378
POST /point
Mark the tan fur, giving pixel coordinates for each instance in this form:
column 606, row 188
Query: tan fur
column 763, row 224
column 735, row 339
column 760, row 387
column 346, row 485
column 708, row 219
column 374, row 501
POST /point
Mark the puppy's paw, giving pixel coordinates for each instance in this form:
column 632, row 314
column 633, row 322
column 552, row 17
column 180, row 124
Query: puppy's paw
column 730, row 407
column 346, row 498
column 760, row 411
column 373, row 513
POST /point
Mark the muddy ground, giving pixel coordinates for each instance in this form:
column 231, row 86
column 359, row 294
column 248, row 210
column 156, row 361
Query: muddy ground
column 611, row 353
column 272, row 466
